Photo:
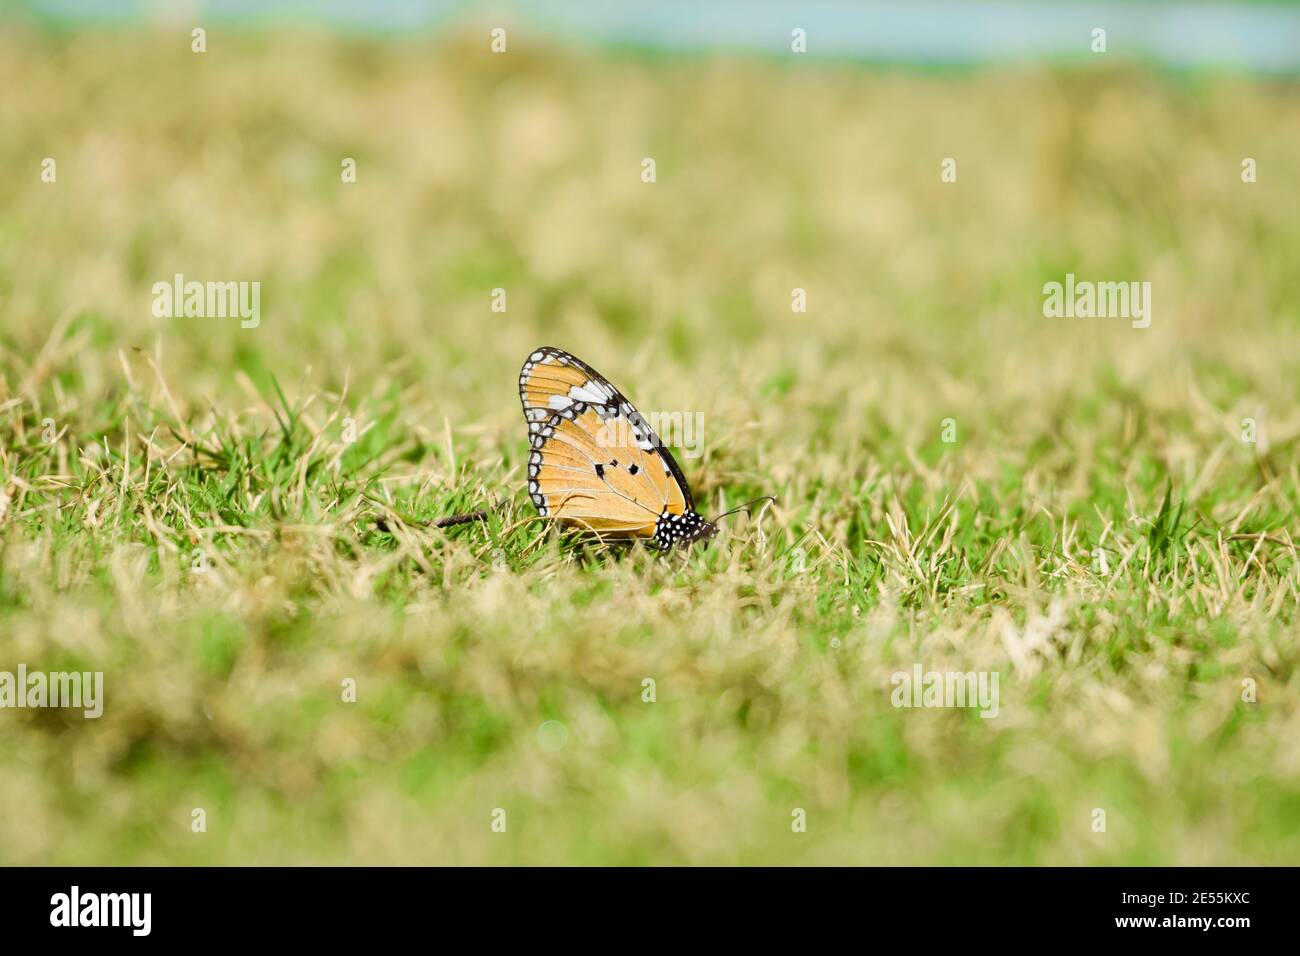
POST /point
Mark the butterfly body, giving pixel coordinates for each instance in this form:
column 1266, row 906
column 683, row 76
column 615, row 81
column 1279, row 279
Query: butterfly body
column 594, row 461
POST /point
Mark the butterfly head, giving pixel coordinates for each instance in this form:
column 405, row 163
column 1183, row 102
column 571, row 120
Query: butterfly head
column 684, row 528
column 691, row 526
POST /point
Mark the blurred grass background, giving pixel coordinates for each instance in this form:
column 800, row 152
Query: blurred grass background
column 1121, row 684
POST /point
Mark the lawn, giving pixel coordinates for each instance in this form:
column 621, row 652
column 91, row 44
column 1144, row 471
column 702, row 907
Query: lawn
column 231, row 522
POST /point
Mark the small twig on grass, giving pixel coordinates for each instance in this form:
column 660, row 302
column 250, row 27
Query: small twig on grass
column 460, row 519
column 450, row 521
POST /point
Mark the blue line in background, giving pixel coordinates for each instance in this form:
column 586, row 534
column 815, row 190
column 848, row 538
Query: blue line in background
column 1262, row 37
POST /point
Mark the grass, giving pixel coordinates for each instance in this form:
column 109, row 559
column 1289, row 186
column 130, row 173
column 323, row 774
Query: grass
column 1097, row 533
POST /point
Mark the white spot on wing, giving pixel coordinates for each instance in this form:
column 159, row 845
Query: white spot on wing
column 591, row 392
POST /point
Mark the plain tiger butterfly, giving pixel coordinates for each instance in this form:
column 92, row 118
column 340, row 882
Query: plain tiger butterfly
column 595, row 463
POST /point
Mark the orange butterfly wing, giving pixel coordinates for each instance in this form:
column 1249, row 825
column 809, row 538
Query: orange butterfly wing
column 594, row 460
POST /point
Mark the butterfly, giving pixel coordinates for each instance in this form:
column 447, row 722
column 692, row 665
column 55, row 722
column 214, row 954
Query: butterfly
column 594, row 461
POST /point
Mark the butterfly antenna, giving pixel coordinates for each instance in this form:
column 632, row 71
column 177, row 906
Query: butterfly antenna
column 745, row 507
